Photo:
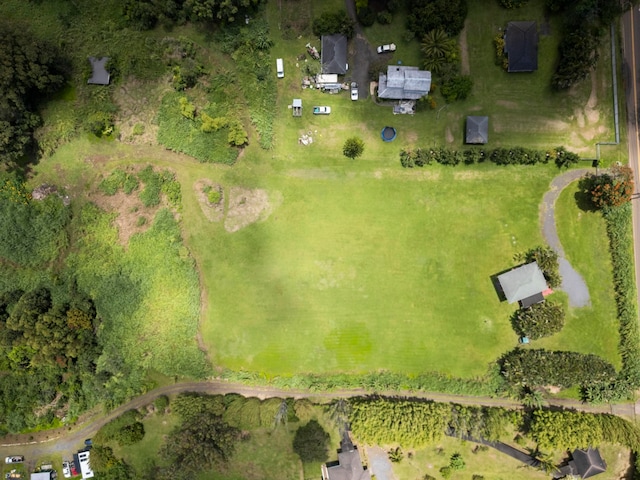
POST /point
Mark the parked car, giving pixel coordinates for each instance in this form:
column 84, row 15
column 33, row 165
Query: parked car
column 387, row 48
column 354, row 91
column 321, row 110
column 66, row 469
column 14, row 459
column 88, row 442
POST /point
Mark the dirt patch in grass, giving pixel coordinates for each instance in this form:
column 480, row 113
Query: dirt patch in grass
column 248, row 206
column 138, row 104
column 464, row 50
column 132, row 216
column 213, row 211
column 449, row 135
column 507, row 104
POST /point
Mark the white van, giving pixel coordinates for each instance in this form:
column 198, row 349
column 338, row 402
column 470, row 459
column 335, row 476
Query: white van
column 280, row 68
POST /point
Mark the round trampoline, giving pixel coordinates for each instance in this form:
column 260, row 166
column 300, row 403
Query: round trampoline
column 388, row 134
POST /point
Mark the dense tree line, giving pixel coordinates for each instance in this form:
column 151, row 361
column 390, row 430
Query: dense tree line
column 49, row 351
column 30, row 68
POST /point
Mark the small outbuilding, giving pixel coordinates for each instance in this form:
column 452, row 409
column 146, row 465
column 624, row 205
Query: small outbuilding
column 333, row 55
column 477, row 130
column 521, row 46
column 524, row 284
column 99, row 74
column 42, row 476
column 297, row 107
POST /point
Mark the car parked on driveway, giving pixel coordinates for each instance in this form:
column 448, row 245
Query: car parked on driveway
column 391, row 47
column 321, row 110
column 14, row 459
column 354, row 91
column 66, row 469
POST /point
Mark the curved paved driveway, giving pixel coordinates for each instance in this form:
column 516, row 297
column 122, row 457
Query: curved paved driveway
column 572, row 281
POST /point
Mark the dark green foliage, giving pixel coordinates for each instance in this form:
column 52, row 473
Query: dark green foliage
column 479, row 422
column 200, row 442
column 383, row 421
column 190, row 405
column 108, row 466
column 333, row 22
column 220, row 11
column 547, row 260
column 457, row 87
column 565, row 158
column 611, row 189
column 426, row 15
column 156, row 183
column 353, row 147
column 396, row 455
column 539, row 320
column 385, row 18
column 456, row 462
column 419, row 157
column 513, row 3
column 537, row 367
column 311, row 443
column 125, row 430
column 366, row 16
column 114, row 182
column 578, row 56
column 29, row 69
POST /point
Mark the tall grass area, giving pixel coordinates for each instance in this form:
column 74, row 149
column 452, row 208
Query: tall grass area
column 147, row 296
column 583, row 235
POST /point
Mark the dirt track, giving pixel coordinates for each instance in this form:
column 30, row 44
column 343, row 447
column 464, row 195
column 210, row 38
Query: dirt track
column 66, row 440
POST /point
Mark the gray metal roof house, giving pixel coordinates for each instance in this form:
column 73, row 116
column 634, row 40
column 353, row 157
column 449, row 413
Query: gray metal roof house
column 333, row 55
column 404, row 83
column 524, row 284
column 99, row 75
column 477, row 130
column 521, row 46
column 584, row 464
column 349, row 464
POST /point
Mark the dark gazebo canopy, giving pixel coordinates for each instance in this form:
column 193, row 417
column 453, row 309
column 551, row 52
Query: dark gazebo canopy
column 477, row 130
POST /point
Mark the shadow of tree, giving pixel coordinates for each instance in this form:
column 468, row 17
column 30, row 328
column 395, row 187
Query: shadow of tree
column 583, row 197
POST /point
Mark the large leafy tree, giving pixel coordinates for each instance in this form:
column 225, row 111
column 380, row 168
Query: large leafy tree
column 613, row 188
column 353, row 147
column 540, row 320
column 427, row 15
column 311, row 442
column 29, row 69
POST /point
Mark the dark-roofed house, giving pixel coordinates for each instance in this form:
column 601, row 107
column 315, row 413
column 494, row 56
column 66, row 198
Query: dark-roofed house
column 584, row 464
column 524, row 284
column 333, row 56
column 349, row 464
column 521, row 46
column 99, row 74
column 477, row 130
column 404, row 83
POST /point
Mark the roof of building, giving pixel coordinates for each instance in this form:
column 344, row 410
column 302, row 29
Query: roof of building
column 99, row 75
column 41, row 476
column 297, row 102
column 521, row 46
column 84, row 463
column 588, row 462
column 522, row 282
column 404, row 83
column 477, row 130
column 349, row 465
column 334, row 54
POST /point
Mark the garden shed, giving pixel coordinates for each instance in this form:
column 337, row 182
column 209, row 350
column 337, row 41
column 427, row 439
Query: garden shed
column 521, row 46
column 333, row 55
column 477, row 130
column 99, row 74
column 297, row 107
column 524, row 284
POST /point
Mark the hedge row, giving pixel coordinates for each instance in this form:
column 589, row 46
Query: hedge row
column 419, row 157
column 620, row 244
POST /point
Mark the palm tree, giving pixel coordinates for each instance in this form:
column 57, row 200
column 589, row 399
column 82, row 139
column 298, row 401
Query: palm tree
column 438, row 48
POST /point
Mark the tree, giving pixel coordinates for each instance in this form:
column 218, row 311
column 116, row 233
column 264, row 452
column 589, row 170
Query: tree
column 438, row 48
column 311, row 443
column 226, row 11
column 612, row 189
column 333, row 22
column 457, row 87
column 29, row 69
column 539, row 320
column 547, row 260
column 353, row 147
column 426, row 15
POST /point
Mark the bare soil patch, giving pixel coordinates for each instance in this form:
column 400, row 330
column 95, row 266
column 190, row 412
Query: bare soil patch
column 449, row 135
column 213, row 211
column 507, row 104
column 246, row 207
column 464, row 50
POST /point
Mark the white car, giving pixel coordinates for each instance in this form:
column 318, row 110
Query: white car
column 66, row 470
column 354, row 91
column 387, row 48
column 321, row 110
column 14, row 459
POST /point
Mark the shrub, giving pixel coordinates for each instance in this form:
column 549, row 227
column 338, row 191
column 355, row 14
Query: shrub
column 456, row 88
column 446, row 472
column 353, row 147
column 113, row 183
column 456, row 462
column 513, row 3
column 396, row 455
column 366, row 16
column 394, row 5
column 540, row 320
column 311, row 443
column 612, row 189
column 161, row 403
column 564, row 158
column 385, row 18
column 498, row 42
column 333, row 22
column 130, row 184
column 187, row 109
column 214, row 196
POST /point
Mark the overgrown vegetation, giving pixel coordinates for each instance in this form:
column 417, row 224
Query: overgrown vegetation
column 540, row 320
column 124, row 430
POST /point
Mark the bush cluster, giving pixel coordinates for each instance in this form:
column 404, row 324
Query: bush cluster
column 540, row 320
column 333, row 22
column 419, row 157
column 124, row 430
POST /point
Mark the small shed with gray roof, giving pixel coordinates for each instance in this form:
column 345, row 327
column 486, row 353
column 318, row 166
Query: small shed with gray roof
column 99, row 74
column 477, row 130
column 404, row 83
column 524, row 284
column 333, row 55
